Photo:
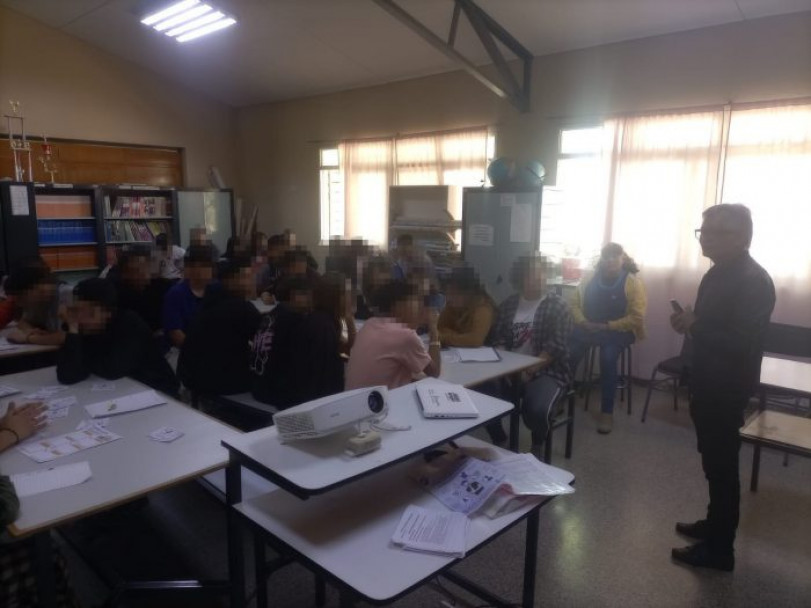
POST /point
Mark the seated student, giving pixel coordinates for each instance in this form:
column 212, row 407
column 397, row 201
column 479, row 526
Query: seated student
column 375, row 274
column 216, row 352
column 183, row 301
column 170, row 258
column 38, row 297
column 468, row 312
column 138, row 290
column 387, row 349
column 280, row 336
column 289, row 238
column 609, row 312
column 18, row 584
column 270, row 280
column 536, row 323
column 109, row 342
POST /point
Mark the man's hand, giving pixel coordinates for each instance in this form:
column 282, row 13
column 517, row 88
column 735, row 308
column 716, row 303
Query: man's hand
column 24, row 420
column 681, row 322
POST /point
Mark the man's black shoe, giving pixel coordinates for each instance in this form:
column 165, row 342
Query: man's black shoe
column 697, row 530
column 700, row 556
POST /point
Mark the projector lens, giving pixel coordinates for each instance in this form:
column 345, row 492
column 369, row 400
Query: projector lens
column 376, row 402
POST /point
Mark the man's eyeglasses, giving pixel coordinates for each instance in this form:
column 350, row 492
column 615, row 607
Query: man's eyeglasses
column 714, row 232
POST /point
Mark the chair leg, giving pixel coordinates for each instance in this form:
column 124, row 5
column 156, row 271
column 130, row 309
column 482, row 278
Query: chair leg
column 628, row 386
column 647, row 398
column 755, row 468
column 621, row 375
column 547, row 448
column 570, row 427
column 589, row 373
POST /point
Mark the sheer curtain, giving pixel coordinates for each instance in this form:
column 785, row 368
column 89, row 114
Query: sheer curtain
column 768, row 168
column 370, row 167
column 368, row 172
column 664, row 174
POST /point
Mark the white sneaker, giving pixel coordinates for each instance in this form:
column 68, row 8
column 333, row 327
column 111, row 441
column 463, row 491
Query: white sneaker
column 605, row 424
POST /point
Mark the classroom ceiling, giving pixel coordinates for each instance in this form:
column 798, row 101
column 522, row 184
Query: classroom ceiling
column 283, row 49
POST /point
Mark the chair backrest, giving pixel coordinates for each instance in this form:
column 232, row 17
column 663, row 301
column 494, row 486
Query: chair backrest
column 788, row 340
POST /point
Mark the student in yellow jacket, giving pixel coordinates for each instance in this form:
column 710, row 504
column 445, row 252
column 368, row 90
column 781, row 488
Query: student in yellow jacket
column 468, row 314
column 609, row 312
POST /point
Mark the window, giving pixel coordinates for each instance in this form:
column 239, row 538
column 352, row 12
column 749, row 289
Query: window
column 573, row 211
column 332, row 194
column 367, row 169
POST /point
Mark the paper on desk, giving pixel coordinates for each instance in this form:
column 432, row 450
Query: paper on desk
column 469, row 487
column 97, row 422
column 45, row 392
column 449, row 355
column 481, row 354
column 59, row 408
column 431, row 531
column 51, row 448
column 5, row 391
column 6, row 345
column 526, row 475
column 63, row 476
column 125, row 404
column 103, row 386
column 166, row 434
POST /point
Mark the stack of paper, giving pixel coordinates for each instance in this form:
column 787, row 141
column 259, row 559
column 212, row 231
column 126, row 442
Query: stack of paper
column 125, row 404
column 51, row 448
column 429, row 531
column 36, row 482
column 469, row 487
column 524, row 477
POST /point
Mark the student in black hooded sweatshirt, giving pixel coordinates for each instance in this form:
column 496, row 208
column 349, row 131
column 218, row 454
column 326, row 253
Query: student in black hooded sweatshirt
column 216, row 353
column 108, row 342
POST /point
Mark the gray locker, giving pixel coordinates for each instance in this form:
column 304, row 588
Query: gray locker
column 497, row 228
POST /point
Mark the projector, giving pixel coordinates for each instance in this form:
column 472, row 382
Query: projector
column 330, row 414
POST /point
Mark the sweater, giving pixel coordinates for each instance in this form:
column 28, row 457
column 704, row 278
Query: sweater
column 634, row 318
column 466, row 326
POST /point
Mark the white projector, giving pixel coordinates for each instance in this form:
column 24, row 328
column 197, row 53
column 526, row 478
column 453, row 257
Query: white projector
column 331, row 414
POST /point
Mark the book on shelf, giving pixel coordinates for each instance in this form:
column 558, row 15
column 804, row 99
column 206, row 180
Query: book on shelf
column 137, row 206
column 134, row 230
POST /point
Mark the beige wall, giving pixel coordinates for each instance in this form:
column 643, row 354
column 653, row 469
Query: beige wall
column 70, row 89
column 751, row 61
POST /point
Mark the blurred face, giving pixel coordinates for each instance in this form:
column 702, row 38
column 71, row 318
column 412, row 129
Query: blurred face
column 92, row 317
column 137, row 272
column 409, row 312
column 405, row 250
column 301, row 301
column 721, row 238
column 198, row 236
column 198, row 273
column 242, row 283
column 611, row 264
column 39, row 295
column 275, row 252
column 456, row 298
column 297, row 267
column 535, row 281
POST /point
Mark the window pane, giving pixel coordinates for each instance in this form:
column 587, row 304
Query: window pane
column 581, row 141
column 330, row 158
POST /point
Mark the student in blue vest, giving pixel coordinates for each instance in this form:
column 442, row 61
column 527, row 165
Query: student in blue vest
column 609, row 312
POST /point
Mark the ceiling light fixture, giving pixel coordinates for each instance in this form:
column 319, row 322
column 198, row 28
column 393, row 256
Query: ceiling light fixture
column 187, row 20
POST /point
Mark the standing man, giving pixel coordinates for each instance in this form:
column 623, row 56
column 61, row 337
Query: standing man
column 734, row 302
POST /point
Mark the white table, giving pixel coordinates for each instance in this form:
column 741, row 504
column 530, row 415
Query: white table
column 347, row 535
column 785, row 432
column 314, row 467
column 473, row 373
column 14, row 357
column 123, row 470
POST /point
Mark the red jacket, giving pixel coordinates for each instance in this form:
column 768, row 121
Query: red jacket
column 6, row 312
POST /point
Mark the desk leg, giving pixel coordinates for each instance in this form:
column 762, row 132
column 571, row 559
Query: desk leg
column 531, row 559
column 570, row 427
column 515, row 414
column 44, row 570
column 261, row 571
column 755, row 468
column 236, row 555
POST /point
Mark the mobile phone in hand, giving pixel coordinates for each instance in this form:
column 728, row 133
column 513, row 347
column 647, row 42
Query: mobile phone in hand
column 674, row 304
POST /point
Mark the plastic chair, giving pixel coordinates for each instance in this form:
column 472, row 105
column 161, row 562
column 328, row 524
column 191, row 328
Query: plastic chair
column 676, row 369
column 624, row 375
column 552, row 395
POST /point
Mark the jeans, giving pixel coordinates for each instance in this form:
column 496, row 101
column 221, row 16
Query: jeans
column 717, row 419
column 539, row 396
column 611, row 344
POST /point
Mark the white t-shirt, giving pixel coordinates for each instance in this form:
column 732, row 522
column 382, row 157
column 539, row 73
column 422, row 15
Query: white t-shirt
column 171, row 265
column 522, row 325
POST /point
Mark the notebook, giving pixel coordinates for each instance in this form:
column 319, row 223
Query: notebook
column 440, row 399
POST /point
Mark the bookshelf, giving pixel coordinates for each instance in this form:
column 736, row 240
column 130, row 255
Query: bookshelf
column 137, row 215
column 68, row 232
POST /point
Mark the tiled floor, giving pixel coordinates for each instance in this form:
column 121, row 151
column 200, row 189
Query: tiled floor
column 606, row 545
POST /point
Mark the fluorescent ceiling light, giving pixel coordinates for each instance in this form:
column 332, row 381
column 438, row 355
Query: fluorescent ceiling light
column 219, row 25
column 188, row 20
